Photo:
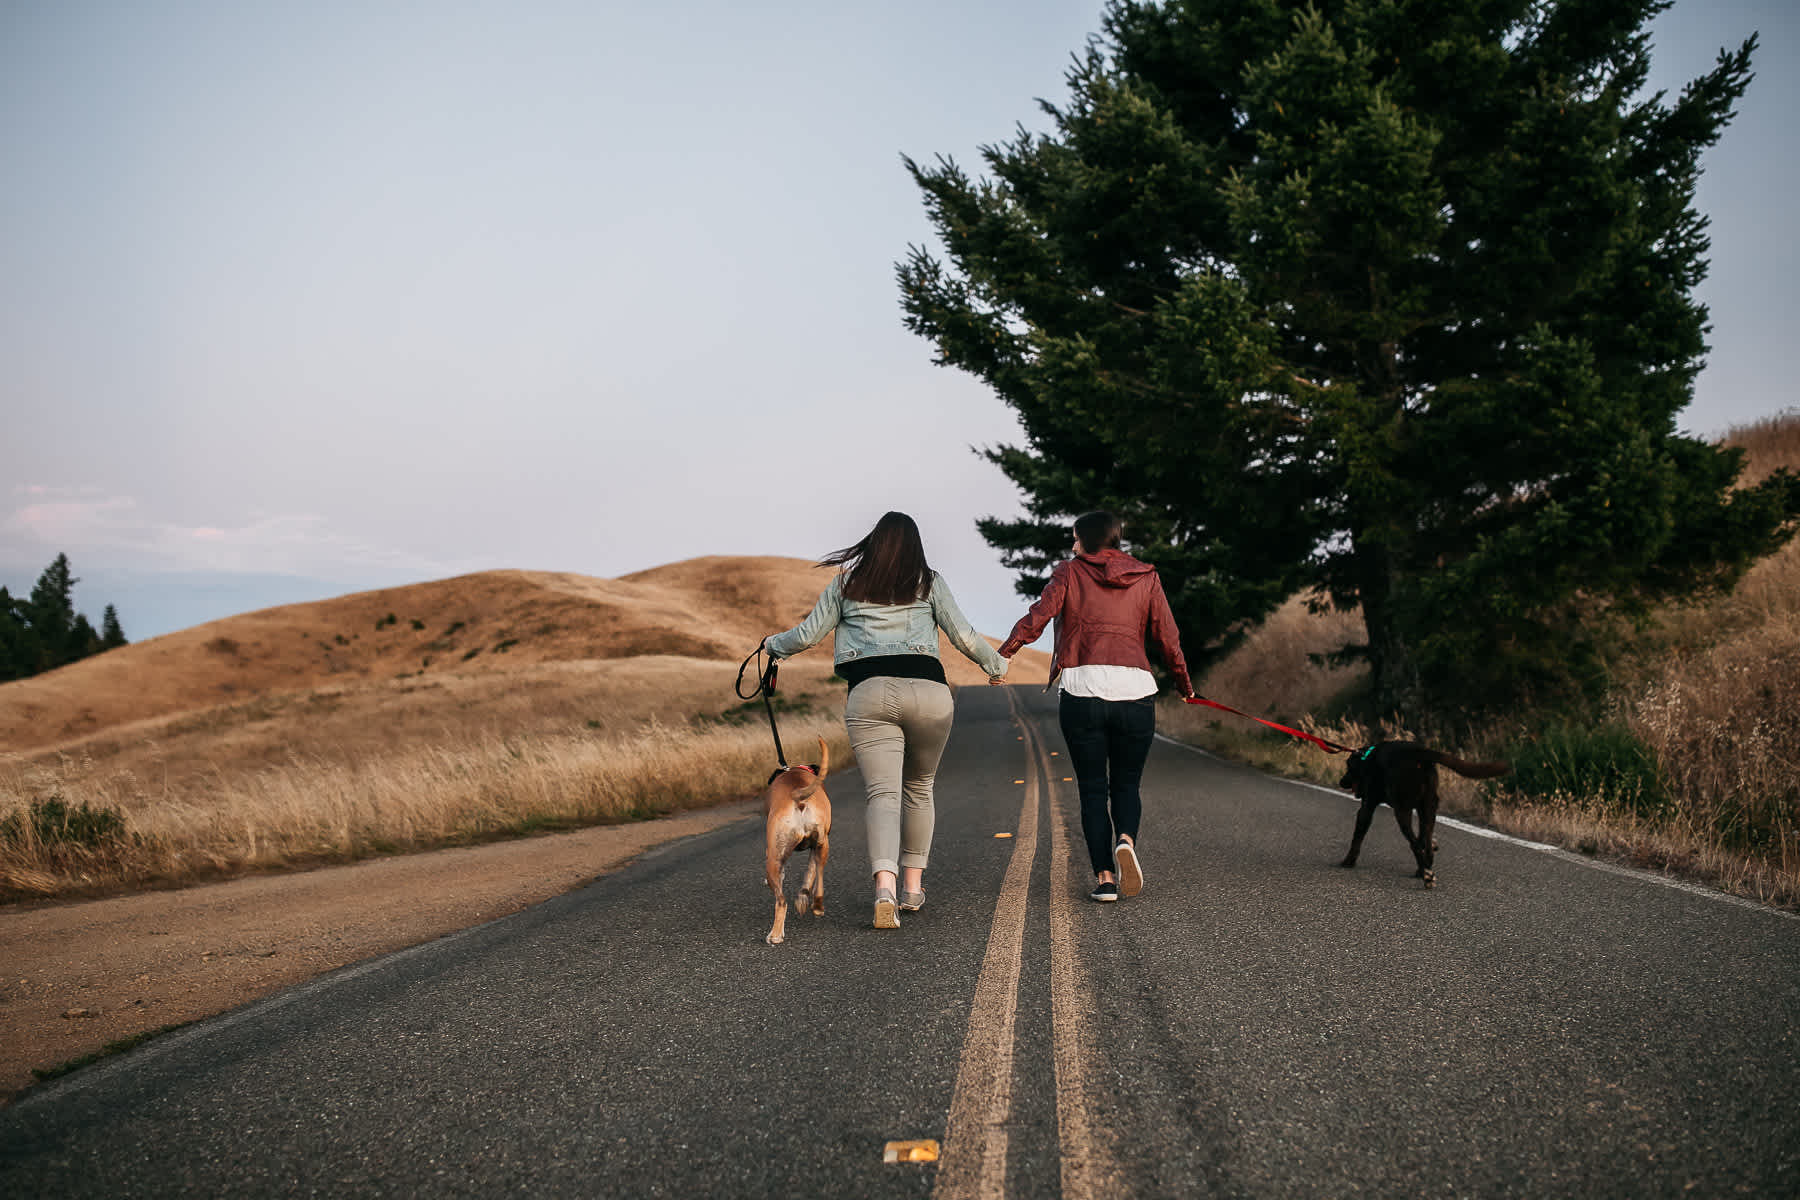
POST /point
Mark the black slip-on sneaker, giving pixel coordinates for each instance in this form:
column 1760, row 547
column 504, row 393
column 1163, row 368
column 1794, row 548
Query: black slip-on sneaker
column 1105, row 893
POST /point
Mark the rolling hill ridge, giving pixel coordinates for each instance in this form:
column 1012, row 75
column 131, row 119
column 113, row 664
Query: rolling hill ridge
column 712, row 609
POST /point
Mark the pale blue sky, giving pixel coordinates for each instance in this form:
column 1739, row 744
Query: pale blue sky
column 300, row 299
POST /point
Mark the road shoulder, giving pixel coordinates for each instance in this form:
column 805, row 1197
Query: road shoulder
column 78, row 977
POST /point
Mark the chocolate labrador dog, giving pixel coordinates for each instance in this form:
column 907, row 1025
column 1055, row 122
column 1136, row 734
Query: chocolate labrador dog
column 1403, row 776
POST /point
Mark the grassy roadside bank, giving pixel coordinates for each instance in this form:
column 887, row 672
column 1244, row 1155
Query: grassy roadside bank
column 1677, row 845
column 1688, row 765
column 82, row 827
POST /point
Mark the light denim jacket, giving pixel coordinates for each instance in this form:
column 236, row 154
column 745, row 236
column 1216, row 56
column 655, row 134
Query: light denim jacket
column 867, row 630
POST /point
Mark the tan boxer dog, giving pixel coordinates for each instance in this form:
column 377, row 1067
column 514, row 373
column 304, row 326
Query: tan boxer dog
column 797, row 816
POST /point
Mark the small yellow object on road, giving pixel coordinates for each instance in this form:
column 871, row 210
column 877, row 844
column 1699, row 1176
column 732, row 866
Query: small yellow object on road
column 1003, row 835
column 921, row 1151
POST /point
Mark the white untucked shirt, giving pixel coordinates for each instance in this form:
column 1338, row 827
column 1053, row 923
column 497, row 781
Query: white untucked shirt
column 1106, row 682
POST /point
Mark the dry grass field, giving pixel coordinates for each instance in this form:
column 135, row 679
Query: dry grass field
column 441, row 713
column 1711, row 690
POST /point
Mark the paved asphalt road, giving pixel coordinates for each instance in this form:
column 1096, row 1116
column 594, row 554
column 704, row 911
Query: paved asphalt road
column 1257, row 1023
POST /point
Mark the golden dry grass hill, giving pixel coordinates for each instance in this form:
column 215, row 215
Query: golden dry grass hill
column 410, row 716
column 490, row 623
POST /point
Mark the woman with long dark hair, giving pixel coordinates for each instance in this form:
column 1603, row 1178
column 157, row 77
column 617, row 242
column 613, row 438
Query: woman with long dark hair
column 885, row 608
column 1107, row 605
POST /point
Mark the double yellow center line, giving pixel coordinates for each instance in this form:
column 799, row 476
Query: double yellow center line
column 976, row 1140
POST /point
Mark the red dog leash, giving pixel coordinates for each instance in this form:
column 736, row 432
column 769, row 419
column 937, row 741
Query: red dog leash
column 1324, row 744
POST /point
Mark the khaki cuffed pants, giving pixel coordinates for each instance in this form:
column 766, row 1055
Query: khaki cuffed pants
column 898, row 728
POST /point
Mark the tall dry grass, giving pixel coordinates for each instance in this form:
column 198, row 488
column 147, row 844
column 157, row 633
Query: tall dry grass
column 340, row 773
column 318, row 810
column 1712, row 689
column 1280, row 673
column 1768, row 445
column 1715, row 695
column 1718, row 703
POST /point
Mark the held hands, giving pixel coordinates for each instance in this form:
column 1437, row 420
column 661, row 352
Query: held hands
column 997, row 680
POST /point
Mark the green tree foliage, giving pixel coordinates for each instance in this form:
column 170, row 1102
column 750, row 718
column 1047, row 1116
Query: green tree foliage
column 51, row 609
column 44, row 631
column 1391, row 300
column 16, row 646
column 112, row 634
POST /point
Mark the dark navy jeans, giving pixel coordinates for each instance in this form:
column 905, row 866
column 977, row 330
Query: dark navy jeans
column 1108, row 742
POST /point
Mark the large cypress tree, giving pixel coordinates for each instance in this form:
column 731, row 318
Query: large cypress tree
column 1389, row 299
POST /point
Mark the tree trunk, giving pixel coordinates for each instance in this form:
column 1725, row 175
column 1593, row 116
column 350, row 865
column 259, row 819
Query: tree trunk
column 1381, row 538
column 1397, row 691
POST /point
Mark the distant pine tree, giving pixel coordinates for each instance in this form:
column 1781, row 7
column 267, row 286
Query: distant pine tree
column 14, row 636
column 112, row 634
column 45, row 632
column 51, row 612
column 83, row 641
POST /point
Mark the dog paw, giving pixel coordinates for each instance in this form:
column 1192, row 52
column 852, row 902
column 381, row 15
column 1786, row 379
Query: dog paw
column 1348, row 862
column 773, row 940
column 818, row 908
column 1430, row 878
column 802, row 903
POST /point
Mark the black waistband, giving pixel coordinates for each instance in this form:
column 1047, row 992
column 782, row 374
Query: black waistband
column 897, row 666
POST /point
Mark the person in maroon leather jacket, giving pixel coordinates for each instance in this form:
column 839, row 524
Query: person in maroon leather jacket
column 1107, row 606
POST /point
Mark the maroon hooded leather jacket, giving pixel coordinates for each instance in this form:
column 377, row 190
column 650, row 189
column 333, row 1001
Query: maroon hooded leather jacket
column 1106, row 607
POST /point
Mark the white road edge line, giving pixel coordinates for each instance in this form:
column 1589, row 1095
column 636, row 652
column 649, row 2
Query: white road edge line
column 975, row 1137
column 1679, row 885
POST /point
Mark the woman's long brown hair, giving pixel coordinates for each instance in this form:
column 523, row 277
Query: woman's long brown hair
column 886, row 567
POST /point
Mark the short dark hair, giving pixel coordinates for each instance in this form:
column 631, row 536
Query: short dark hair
column 1097, row 531
column 886, row 567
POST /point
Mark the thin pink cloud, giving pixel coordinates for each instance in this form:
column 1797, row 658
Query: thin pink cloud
column 90, row 525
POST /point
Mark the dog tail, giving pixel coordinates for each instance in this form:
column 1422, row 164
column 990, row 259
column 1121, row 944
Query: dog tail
column 817, row 775
column 1468, row 770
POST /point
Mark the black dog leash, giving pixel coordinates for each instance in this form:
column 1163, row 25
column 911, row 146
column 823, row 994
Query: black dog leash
column 765, row 687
